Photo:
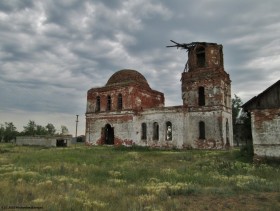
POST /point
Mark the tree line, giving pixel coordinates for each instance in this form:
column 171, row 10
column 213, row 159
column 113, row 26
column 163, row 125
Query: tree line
column 9, row 132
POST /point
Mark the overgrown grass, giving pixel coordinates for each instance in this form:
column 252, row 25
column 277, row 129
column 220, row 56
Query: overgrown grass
column 137, row 178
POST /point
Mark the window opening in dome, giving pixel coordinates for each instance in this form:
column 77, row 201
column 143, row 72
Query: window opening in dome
column 120, row 102
column 97, row 109
column 108, row 103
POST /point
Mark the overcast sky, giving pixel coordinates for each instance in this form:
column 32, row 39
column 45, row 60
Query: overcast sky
column 53, row 51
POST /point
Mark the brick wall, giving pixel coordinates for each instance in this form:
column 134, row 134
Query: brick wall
column 266, row 132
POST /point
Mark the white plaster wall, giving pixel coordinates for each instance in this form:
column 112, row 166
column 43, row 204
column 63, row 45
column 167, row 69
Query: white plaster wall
column 122, row 129
column 266, row 138
column 94, row 131
column 161, row 117
column 267, row 150
column 32, row 141
column 185, row 128
column 212, row 126
column 270, row 133
column 228, row 116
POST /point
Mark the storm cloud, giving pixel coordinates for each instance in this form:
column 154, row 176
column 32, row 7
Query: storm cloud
column 52, row 52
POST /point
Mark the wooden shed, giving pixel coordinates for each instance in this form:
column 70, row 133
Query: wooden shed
column 265, row 121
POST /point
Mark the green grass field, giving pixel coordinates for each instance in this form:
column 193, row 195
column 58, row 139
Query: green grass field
column 108, row 178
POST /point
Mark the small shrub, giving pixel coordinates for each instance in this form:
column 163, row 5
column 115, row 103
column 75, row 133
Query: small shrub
column 226, row 168
column 247, row 150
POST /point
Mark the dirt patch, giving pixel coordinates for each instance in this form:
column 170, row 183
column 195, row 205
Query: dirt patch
column 258, row 201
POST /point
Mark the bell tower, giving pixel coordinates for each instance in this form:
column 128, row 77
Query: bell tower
column 204, row 80
column 206, row 95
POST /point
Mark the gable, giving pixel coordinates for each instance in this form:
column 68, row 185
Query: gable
column 269, row 98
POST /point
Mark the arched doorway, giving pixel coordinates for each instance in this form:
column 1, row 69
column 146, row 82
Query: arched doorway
column 109, row 135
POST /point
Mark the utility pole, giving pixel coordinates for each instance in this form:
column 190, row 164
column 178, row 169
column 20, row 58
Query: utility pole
column 77, row 126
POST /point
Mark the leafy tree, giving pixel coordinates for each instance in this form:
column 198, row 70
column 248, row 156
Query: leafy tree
column 236, row 107
column 81, row 138
column 50, row 129
column 64, row 130
column 30, row 128
column 8, row 132
column 2, row 130
column 241, row 122
column 40, row 130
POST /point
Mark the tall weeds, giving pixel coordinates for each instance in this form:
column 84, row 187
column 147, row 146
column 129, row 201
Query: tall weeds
column 137, row 178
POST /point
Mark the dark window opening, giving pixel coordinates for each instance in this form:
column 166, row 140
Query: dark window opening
column 155, row 131
column 201, row 96
column 221, row 57
column 109, row 134
column 97, row 104
column 144, row 131
column 120, row 103
column 201, row 130
column 61, row 143
column 108, row 103
column 227, row 128
column 227, row 134
column 168, row 131
column 200, row 56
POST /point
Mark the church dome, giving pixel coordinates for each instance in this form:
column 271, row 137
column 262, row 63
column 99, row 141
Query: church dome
column 126, row 76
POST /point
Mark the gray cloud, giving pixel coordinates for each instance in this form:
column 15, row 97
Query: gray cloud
column 52, row 52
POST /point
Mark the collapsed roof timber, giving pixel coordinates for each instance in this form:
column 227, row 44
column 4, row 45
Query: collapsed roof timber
column 188, row 46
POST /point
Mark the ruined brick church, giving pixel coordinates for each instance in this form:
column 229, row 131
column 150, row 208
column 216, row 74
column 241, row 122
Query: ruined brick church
column 127, row 111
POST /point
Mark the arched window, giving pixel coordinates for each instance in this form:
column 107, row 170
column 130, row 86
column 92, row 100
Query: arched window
column 97, row 108
column 155, row 131
column 201, row 96
column 144, row 131
column 225, row 99
column 120, row 104
column 108, row 134
column 201, row 130
column 200, row 56
column 168, row 131
column 108, row 103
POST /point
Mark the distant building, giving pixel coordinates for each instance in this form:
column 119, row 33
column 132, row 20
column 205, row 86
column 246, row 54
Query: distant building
column 265, row 121
column 126, row 111
column 46, row 141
